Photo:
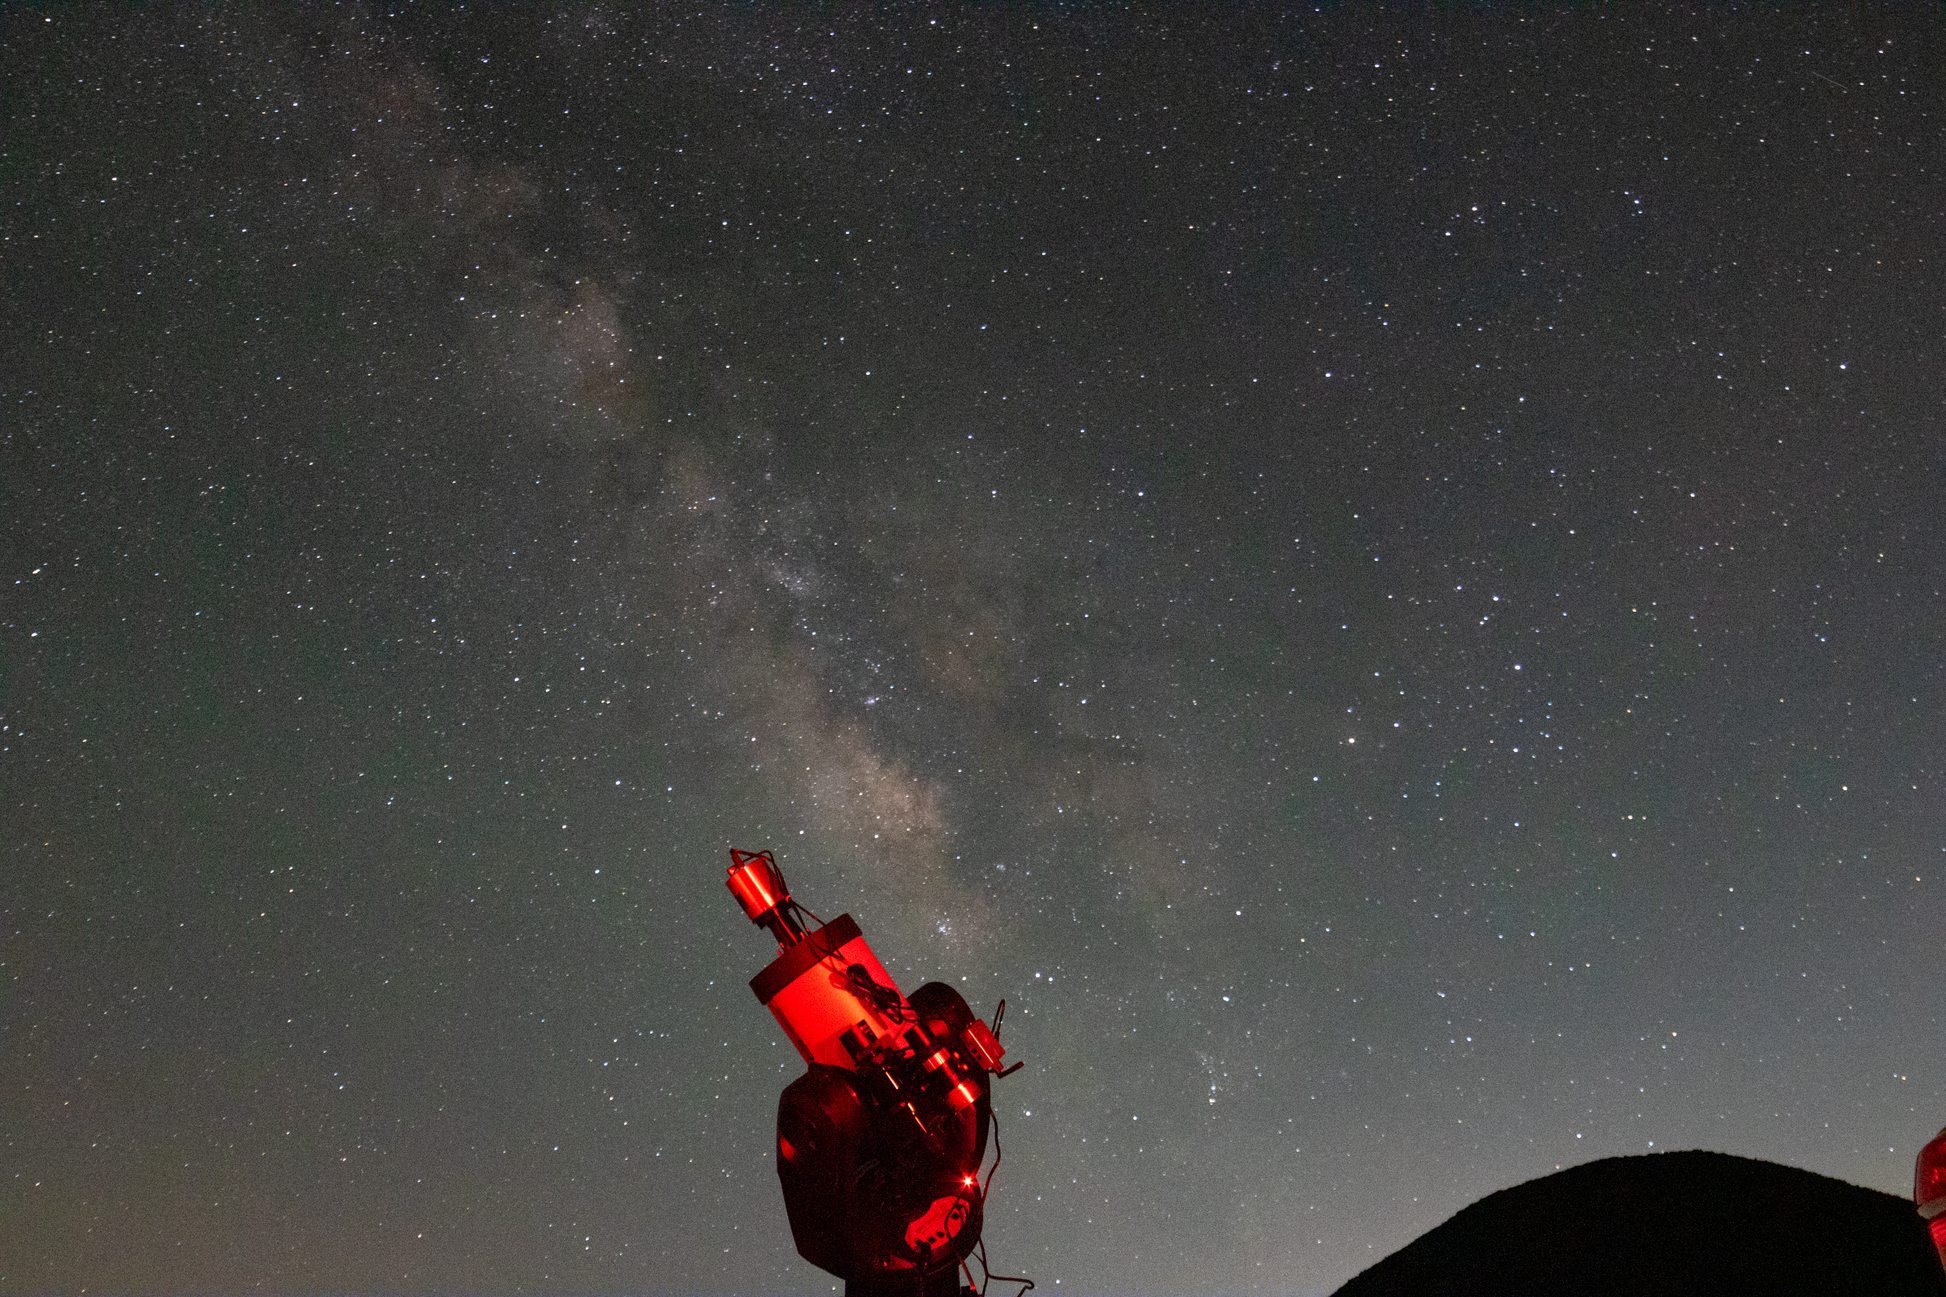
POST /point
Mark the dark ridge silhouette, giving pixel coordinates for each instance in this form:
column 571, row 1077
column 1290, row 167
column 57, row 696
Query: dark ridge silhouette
column 1666, row 1224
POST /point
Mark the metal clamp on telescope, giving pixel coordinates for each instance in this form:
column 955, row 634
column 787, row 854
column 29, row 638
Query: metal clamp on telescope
column 880, row 1142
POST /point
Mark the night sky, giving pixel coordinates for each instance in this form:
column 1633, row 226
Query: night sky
column 1378, row 576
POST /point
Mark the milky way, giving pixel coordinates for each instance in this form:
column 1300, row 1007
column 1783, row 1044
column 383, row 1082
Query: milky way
column 1377, row 578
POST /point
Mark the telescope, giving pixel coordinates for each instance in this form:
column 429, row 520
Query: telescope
column 881, row 1141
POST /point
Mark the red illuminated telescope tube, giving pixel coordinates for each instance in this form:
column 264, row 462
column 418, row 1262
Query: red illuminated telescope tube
column 1929, row 1190
column 814, row 1011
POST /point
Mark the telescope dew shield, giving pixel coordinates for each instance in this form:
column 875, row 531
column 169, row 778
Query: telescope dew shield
column 816, row 998
column 1929, row 1190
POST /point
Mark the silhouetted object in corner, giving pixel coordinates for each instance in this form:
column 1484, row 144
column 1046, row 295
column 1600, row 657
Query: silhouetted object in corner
column 1666, row 1224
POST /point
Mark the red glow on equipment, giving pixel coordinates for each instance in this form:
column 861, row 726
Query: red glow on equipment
column 758, row 885
column 880, row 1142
column 1929, row 1190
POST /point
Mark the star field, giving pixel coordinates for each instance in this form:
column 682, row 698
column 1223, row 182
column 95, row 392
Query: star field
column 1376, row 576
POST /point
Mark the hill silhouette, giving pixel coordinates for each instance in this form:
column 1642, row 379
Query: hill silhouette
column 1665, row 1224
